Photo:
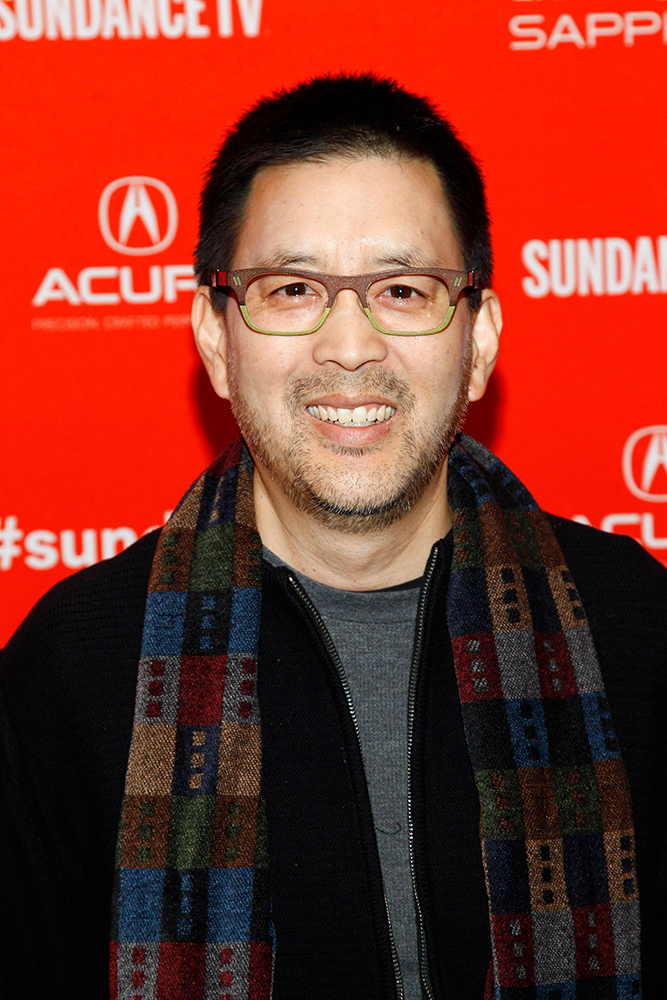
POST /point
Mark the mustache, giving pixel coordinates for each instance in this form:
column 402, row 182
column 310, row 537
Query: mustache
column 298, row 390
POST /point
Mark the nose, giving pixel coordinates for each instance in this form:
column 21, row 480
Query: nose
column 347, row 337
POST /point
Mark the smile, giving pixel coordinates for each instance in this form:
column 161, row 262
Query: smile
column 360, row 416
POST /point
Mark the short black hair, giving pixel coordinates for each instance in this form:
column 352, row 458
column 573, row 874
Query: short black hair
column 343, row 115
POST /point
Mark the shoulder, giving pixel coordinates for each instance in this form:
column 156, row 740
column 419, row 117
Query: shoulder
column 622, row 587
column 68, row 677
column 92, row 597
column 67, row 693
column 85, row 631
column 590, row 541
column 624, row 592
column 611, row 567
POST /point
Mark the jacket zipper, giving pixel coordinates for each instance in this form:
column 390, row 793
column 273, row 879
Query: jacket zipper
column 335, row 659
column 412, row 696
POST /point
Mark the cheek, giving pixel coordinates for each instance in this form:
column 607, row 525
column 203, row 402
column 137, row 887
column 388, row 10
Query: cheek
column 263, row 364
column 259, row 367
column 435, row 366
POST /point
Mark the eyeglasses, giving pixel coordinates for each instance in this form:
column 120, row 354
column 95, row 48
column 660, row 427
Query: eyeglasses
column 408, row 303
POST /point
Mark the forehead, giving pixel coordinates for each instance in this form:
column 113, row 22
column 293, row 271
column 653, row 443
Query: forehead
column 347, row 215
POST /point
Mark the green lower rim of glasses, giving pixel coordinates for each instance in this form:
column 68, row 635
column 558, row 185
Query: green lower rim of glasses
column 284, row 333
column 381, row 329
column 413, row 333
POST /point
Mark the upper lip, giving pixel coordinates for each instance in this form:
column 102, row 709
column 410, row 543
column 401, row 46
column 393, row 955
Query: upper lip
column 350, row 402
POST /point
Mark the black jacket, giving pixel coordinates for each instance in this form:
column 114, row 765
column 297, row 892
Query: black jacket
column 68, row 681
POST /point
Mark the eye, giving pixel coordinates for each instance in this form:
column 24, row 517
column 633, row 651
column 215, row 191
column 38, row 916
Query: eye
column 401, row 291
column 297, row 289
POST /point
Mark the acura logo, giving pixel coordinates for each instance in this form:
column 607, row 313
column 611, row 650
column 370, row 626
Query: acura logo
column 645, row 462
column 147, row 219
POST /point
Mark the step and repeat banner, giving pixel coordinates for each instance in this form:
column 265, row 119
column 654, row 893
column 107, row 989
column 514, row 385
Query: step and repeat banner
column 111, row 111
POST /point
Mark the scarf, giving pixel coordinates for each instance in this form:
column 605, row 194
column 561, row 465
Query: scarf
column 191, row 905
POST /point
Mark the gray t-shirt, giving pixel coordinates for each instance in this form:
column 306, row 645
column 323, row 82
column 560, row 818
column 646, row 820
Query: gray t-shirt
column 373, row 632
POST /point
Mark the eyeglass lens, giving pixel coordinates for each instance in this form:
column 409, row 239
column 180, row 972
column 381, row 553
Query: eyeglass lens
column 409, row 303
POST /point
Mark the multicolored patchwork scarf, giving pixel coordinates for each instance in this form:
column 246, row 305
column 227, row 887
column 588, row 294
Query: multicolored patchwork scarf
column 556, row 820
column 191, row 902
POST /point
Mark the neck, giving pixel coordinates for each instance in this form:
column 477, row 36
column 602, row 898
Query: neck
column 349, row 561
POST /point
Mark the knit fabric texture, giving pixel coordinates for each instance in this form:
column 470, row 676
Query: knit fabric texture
column 556, row 818
column 191, row 899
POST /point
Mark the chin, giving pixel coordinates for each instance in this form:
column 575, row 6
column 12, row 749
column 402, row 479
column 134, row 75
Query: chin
column 359, row 504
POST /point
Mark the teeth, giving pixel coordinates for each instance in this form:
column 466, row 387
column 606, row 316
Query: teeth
column 360, row 416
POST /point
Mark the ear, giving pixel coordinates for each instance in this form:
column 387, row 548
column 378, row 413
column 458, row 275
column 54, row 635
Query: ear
column 210, row 331
column 485, row 333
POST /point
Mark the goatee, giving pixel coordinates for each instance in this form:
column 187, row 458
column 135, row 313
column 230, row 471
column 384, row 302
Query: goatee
column 332, row 500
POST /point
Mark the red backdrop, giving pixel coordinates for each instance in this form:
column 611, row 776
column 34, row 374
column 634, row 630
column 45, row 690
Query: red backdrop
column 116, row 107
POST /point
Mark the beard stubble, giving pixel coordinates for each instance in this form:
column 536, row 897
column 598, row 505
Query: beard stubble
column 312, row 487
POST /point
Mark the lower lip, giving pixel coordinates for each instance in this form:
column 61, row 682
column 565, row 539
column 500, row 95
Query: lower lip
column 349, row 434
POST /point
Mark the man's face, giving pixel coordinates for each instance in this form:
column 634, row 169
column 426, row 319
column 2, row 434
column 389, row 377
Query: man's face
column 347, row 216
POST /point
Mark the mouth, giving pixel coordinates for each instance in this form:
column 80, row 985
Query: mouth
column 358, row 416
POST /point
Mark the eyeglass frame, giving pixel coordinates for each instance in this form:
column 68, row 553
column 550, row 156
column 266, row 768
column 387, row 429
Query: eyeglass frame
column 237, row 282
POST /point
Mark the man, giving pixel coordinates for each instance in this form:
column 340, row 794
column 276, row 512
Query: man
column 454, row 688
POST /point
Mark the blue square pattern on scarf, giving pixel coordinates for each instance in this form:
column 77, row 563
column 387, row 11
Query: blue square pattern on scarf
column 141, row 892
column 528, row 731
column 556, row 991
column 628, row 987
column 230, row 898
column 599, row 727
column 244, row 627
column 164, row 624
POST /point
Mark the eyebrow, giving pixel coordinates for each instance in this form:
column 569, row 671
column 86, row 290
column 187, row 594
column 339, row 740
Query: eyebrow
column 408, row 257
column 286, row 258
